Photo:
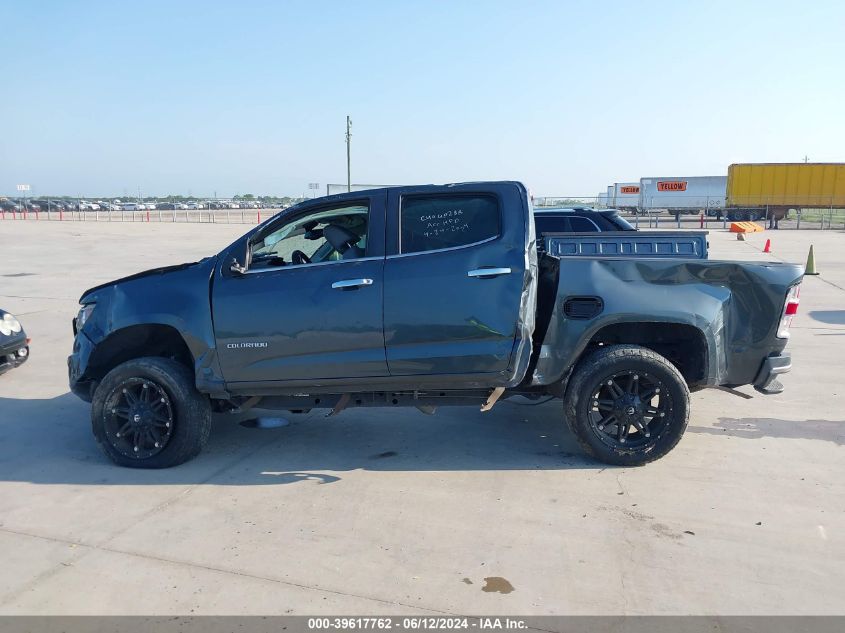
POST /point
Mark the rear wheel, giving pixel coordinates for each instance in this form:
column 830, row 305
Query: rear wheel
column 146, row 413
column 627, row 405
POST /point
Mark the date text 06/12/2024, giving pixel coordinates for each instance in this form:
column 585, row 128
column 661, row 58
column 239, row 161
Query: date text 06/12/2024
column 416, row 623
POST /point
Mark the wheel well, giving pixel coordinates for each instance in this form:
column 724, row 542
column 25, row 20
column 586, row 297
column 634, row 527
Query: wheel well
column 138, row 341
column 683, row 345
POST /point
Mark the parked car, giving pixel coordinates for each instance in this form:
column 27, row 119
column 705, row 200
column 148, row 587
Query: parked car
column 132, row 206
column 51, row 205
column 579, row 219
column 450, row 304
column 14, row 345
column 166, row 206
column 10, row 206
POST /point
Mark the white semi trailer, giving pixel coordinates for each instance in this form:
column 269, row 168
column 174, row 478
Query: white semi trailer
column 603, row 200
column 625, row 196
column 683, row 194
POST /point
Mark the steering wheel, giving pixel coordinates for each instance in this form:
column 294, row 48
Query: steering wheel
column 298, row 257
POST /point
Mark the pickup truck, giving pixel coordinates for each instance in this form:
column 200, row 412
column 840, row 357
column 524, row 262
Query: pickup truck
column 423, row 296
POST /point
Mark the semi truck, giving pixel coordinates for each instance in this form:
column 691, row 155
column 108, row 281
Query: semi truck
column 683, row 194
column 427, row 296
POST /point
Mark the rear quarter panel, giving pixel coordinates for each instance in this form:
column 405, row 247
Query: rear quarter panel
column 736, row 307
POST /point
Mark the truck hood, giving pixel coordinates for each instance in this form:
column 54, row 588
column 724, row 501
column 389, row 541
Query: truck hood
column 89, row 296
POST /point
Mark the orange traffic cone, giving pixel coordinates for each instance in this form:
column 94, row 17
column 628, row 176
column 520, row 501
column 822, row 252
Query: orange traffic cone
column 768, row 247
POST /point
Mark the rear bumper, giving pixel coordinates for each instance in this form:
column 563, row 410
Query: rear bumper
column 766, row 381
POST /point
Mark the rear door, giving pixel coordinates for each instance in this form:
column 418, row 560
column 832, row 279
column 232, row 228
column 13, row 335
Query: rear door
column 457, row 265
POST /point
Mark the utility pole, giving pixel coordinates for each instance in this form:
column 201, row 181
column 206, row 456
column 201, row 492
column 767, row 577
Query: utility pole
column 348, row 155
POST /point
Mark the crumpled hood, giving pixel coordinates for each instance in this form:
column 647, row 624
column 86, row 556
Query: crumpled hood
column 162, row 270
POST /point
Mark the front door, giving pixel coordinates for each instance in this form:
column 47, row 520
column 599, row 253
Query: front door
column 309, row 305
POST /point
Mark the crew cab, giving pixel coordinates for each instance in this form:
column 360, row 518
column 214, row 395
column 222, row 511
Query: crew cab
column 423, row 296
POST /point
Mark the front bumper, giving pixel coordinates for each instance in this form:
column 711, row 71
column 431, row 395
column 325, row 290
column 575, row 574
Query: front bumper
column 13, row 352
column 77, row 363
column 767, row 381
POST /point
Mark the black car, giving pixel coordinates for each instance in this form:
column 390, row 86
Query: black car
column 579, row 220
column 10, row 206
column 14, row 345
column 48, row 205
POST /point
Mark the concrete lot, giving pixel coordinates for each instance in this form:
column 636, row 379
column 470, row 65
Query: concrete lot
column 392, row 511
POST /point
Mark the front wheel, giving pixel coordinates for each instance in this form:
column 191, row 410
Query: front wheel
column 627, row 405
column 147, row 413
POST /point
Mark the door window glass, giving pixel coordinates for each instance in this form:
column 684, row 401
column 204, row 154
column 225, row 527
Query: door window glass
column 551, row 224
column 433, row 222
column 325, row 235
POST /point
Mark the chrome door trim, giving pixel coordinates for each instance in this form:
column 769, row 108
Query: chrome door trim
column 444, row 250
column 298, row 266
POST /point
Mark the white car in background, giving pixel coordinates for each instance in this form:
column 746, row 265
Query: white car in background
column 131, row 206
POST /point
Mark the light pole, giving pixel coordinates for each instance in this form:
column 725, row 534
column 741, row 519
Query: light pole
column 348, row 155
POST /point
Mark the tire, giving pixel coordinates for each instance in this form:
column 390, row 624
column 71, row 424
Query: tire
column 592, row 406
column 168, row 424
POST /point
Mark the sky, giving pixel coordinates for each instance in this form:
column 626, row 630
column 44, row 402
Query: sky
column 203, row 97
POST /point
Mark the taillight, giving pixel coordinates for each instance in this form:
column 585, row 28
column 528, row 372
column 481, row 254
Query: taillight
column 790, row 309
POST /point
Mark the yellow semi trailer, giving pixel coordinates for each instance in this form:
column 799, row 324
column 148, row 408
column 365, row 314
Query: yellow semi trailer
column 757, row 190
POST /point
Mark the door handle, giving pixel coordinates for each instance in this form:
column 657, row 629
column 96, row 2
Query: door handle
column 351, row 283
column 489, row 272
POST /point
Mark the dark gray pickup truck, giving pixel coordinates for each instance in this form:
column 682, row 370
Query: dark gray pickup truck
column 423, row 296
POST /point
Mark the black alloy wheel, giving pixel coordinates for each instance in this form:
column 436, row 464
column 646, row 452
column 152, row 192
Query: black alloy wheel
column 138, row 418
column 629, row 409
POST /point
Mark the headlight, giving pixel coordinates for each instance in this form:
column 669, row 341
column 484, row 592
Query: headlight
column 9, row 325
column 84, row 314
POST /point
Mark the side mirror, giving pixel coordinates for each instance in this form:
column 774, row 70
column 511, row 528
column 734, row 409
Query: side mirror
column 235, row 267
